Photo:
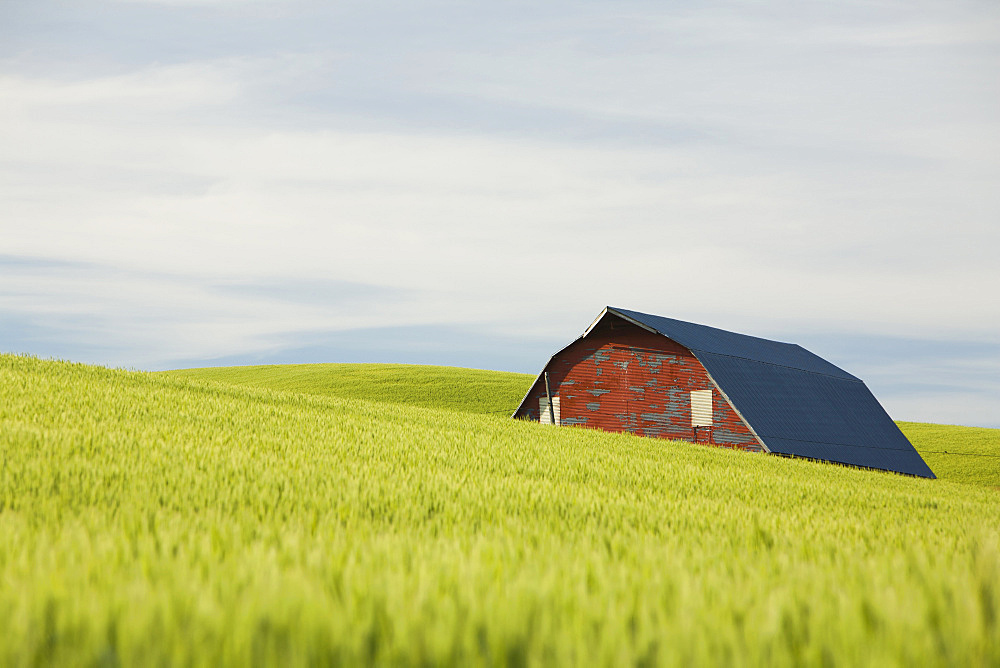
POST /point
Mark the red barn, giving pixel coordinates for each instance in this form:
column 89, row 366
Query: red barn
column 654, row 376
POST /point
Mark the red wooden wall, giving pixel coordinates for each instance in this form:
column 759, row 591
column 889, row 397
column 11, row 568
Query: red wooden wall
column 626, row 379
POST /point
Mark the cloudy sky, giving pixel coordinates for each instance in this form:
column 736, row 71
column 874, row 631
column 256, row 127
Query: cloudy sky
column 192, row 183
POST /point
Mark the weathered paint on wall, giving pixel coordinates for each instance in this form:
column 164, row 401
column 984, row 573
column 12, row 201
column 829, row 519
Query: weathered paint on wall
column 623, row 378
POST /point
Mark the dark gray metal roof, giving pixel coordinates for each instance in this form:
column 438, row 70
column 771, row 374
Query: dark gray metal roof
column 796, row 402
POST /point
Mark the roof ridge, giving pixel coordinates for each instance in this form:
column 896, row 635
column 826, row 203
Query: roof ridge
column 706, row 337
column 712, row 327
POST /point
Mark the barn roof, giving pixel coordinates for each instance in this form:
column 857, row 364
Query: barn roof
column 796, row 402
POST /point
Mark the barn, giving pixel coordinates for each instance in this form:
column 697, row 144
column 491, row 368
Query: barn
column 665, row 378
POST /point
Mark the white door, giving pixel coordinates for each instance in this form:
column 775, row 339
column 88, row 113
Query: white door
column 543, row 410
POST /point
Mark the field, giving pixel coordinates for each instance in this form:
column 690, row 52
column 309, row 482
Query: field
column 465, row 390
column 959, row 454
column 962, row 454
column 178, row 519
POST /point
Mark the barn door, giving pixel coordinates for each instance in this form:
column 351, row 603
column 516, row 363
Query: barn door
column 544, row 415
column 701, row 415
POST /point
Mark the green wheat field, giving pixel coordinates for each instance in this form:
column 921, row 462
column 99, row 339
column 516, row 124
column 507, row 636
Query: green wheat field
column 396, row 515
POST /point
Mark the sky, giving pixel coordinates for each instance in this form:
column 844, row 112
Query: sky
column 215, row 182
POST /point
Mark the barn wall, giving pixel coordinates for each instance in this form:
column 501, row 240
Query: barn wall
column 623, row 378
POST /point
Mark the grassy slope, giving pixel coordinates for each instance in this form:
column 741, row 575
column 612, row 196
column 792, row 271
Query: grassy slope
column 959, row 454
column 154, row 519
column 467, row 390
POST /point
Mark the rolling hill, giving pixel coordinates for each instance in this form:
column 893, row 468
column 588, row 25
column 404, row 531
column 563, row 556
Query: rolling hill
column 163, row 518
column 465, row 390
column 959, row 454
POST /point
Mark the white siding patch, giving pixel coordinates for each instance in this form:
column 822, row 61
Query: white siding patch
column 701, row 408
column 543, row 410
